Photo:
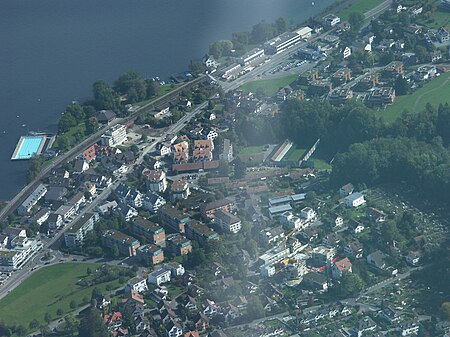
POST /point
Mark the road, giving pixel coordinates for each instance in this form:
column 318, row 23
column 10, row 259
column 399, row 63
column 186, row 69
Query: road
column 21, row 275
column 92, row 139
column 378, row 10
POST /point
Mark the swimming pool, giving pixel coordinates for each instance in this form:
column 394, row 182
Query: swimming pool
column 28, row 147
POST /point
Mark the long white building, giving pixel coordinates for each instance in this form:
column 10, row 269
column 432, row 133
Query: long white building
column 282, row 42
column 32, row 200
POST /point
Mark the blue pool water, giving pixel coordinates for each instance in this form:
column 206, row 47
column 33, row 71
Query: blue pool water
column 29, row 147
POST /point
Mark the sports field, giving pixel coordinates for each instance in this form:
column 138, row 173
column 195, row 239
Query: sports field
column 434, row 92
column 46, row 291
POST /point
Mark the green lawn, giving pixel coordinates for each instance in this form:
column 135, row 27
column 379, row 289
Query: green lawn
column 360, row 6
column 434, row 92
column 48, row 290
column 294, row 154
column 270, row 87
column 252, row 149
column 320, row 164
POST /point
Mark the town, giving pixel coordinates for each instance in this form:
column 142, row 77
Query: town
column 196, row 219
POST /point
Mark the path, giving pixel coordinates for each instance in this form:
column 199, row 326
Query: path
column 417, row 101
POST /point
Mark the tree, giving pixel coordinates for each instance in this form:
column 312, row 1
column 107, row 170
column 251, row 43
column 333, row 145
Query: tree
column 153, row 88
column 262, row 32
column 71, row 324
column 255, row 308
column 221, row 48
column 421, row 53
column 115, row 251
column 66, row 121
column 60, row 312
column 401, row 86
column 240, row 39
column 48, row 317
column 104, row 96
column 445, row 309
column 21, row 330
column 91, row 125
column 76, row 111
column 239, row 169
column 34, row 324
column 350, row 284
column 280, row 25
column 45, row 330
column 92, row 325
column 196, row 67
column 252, row 248
column 73, row 304
column 356, row 20
column 62, row 142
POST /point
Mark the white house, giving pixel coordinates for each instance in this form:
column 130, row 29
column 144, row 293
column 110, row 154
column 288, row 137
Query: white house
column 117, row 135
column 159, row 276
column 347, row 52
column 156, row 180
column 136, row 284
column 267, row 270
column 152, row 202
column 354, row 200
column 308, row 214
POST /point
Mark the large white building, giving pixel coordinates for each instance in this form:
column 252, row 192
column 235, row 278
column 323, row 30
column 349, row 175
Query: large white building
column 156, row 180
column 114, row 136
column 22, row 250
column 32, row 200
column 282, row 42
column 251, row 56
column 354, row 200
column 75, row 234
column 159, row 276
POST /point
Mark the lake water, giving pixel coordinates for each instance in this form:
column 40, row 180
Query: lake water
column 53, row 50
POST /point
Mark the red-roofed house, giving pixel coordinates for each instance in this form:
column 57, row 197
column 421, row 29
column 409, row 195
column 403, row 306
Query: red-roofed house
column 113, row 320
column 89, row 154
column 340, row 267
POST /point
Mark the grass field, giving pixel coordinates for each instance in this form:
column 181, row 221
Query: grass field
column 48, row 290
column 320, row 164
column 359, row 6
column 252, row 149
column 270, row 87
column 434, row 92
column 294, row 154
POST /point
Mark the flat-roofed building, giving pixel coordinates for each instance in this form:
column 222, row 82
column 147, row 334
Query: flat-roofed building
column 340, row 96
column 76, row 233
column 150, row 254
column 26, row 206
column 127, row 244
column 379, row 97
column 180, row 190
column 117, row 135
column 331, row 20
column 173, row 218
column 251, row 56
column 304, row 32
column 148, row 229
column 227, row 222
column 200, row 232
column 178, row 245
column 227, row 151
column 282, row 42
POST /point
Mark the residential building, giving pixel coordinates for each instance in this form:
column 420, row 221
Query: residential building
column 107, row 207
column 331, row 20
column 66, row 211
column 364, row 326
column 409, row 328
column 316, row 281
column 443, row 35
column 200, row 232
column 413, row 258
column 159, row 276
column 77, row 200
column 203, row 150
column 116, row 135
column 337, row 220
column 341, row 76
column 22, row 249
column 209, row 61
column 128, row 212
column 354, row 249
column 341, row 267
column 332, row 240
column 105, row 117
column 346, row 52
column 54, row 221
column 274, row 255
column 178, row 245
column 209, row 209
column 227, row 151
column 156, row 180
column 227, row 221
column 355, row 227
column 172, row 217
column 26, row 206
column 377, row 259
column 89, row 154
column 269, row 236
column 308, row 214
column 340, row 96
column 127, row 245
column 322, row 255
column 267, row 270
column 180, row 190
column 136, row 284
column 346, row 190
column 165, row 148
column 181, row 152
column 76, row 233
column 393, row 69
column 40, row 216
column 150, row 254
column 148, row 229
column 153, row 202
column 390, row 315
column 355, row 200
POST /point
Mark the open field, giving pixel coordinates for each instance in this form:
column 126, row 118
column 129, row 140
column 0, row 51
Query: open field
column 359, row 6
column 46, row 291
column 434, row 92
column 252, row 149
column 269, row 87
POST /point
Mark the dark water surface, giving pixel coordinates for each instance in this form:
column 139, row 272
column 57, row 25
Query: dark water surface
column 53, row 50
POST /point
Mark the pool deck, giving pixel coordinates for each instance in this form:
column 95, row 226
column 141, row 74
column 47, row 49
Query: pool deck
column 45, row 140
